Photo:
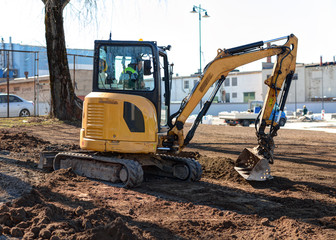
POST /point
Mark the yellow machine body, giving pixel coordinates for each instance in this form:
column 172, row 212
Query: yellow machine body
column 123, row 123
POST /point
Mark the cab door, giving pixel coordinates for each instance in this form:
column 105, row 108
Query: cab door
column 165, row 89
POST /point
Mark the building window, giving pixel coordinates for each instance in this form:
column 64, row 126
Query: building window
column 16, row 89
column 227, row 97
column 227, row 82
column 234, row 81
column 249, row 96
column 186, row 84
column 195, row 82
column 2, row 90
column 234, row 95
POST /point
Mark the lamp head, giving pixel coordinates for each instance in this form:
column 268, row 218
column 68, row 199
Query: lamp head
column 206, row 15
column 193, row 10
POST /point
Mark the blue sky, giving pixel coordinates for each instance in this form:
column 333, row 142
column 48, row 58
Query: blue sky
column 231, row 23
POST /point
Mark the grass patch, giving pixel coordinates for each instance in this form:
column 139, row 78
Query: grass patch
column 27, row 121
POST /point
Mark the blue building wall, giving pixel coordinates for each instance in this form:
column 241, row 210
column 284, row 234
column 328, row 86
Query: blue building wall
column 25, row 61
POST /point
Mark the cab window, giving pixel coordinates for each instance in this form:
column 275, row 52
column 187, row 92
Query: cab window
column 125, row 68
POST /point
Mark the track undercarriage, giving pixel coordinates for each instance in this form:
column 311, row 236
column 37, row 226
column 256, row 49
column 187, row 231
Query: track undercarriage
column 128, row 169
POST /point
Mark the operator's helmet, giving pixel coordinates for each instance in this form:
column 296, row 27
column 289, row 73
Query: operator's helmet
column 304, row 106
column 132, row 64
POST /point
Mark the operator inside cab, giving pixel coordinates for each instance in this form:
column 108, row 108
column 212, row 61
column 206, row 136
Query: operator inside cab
column 132, row 76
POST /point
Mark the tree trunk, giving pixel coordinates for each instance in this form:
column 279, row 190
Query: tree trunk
column 65, row 105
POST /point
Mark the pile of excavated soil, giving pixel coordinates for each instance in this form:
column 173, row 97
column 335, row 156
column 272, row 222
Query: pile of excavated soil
column 220, row 168
column 48, row 215
column 27, row 146
column 19, row 142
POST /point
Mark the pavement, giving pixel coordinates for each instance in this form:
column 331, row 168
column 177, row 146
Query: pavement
column 320, row 125
column 315, row 124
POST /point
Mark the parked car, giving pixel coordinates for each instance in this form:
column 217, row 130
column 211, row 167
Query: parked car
column 18, row 107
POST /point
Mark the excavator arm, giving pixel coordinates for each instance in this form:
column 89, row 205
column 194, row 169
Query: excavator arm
column 216, row 71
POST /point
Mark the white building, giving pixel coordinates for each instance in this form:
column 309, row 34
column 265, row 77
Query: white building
column 238, row 87
column 310, row 83
column 241, row 87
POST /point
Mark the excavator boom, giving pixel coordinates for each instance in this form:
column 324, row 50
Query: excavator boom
column 216, row 71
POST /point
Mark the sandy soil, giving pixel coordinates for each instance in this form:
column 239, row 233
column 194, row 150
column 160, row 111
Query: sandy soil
column 298, row 203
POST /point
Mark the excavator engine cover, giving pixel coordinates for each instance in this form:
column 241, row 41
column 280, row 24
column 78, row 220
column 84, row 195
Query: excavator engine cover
column 253, row 166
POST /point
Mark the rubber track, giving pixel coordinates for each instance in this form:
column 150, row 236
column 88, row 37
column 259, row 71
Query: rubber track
column 193, row 165
column 134, row 169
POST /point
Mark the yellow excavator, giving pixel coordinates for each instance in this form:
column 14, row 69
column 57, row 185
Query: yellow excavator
column 128, row 131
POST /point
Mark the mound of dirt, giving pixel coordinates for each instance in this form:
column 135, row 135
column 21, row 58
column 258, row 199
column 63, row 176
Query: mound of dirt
column 19, row 142
column 117, row 229
column 23, row 145
column 38, row 214
column 220, row 168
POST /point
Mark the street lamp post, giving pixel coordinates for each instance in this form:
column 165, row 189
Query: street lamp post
column 199, row 10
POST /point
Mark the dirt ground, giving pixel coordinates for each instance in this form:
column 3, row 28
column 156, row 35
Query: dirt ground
column 298, row 203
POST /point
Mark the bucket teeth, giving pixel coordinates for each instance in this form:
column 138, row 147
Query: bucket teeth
column 252, row 166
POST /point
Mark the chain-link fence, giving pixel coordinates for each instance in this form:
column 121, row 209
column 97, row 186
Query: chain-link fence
column 81, row 67
column 25, row 83
column 18, row 80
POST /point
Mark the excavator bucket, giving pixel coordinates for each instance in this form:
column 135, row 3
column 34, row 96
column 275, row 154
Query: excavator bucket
column 253, row 166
